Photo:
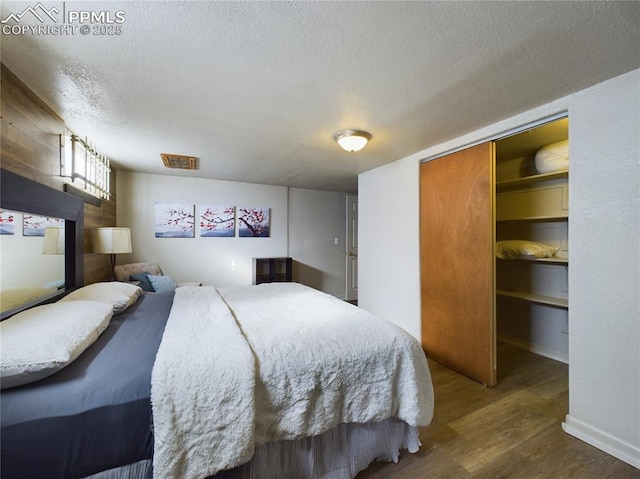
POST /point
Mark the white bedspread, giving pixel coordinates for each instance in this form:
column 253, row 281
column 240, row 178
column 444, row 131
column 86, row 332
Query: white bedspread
column 202, row 389
column 297, row 363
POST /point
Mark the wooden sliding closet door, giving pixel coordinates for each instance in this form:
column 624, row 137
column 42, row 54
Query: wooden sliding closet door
column 457, row 261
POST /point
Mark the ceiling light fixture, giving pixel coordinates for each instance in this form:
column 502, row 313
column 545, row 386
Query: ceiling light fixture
column 352, row 140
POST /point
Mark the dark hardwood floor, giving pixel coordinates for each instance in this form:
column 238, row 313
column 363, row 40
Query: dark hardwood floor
column 512, row 430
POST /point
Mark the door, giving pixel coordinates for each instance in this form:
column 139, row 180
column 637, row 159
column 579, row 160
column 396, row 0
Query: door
column 351, row 244
column 457, row 231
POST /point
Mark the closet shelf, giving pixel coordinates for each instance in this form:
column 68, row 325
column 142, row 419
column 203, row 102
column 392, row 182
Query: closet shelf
column 535, row 218
column 532, row 179
column 535, row 298
column 554, row 260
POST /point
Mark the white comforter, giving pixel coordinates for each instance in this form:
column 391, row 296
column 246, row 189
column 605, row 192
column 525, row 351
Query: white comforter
column 277, row 361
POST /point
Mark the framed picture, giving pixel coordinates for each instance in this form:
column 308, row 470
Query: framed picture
column 253, row 222
column 35, row 225
column 217, row 221
column 7, row 222
column 174, row 220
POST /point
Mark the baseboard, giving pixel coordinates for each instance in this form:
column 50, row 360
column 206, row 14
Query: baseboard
column 591, row 435
column 534, row 348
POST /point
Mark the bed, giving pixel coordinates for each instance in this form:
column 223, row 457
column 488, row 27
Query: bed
column 270, row 381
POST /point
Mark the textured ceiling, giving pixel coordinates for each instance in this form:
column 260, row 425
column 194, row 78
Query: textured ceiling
column 255, row 90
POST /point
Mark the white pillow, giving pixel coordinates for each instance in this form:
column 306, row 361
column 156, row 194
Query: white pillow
column 40, row 341
column 520, row 249
column 553, row 157
column 120, row 295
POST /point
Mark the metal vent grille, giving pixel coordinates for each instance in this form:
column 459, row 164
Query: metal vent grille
column 179, row 162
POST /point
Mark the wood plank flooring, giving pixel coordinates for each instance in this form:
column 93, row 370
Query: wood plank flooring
column 511, row 431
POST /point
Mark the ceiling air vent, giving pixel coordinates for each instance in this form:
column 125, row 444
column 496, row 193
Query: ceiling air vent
column 179, row 162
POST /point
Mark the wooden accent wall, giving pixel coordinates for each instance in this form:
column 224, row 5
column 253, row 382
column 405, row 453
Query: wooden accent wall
column 29, row 146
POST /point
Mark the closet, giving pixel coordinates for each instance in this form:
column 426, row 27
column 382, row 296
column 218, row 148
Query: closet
column 508, row 196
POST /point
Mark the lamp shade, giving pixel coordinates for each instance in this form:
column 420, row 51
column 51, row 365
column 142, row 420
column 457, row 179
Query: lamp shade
column 53, row 242
column 112, row 240
column 352, row 140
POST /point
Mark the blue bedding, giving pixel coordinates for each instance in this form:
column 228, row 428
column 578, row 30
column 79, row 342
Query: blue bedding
column 93, row 415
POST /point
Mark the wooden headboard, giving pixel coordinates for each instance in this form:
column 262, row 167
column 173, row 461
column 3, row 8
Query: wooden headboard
column 18, row 193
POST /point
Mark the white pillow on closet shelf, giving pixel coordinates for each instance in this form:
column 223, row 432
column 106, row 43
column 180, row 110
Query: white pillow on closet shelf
column 553, row 157
column 522, row 249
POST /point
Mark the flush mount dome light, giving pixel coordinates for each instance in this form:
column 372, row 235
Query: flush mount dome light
column 352, row 140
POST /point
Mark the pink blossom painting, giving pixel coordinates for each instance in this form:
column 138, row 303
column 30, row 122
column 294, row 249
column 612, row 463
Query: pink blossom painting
column 253, row 222
column 7, row 222
column 174, row 220
column 35, row 225
column 217, row 221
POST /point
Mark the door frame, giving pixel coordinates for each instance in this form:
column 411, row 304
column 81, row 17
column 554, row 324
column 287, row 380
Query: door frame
column 351, row 248
column 498, row 136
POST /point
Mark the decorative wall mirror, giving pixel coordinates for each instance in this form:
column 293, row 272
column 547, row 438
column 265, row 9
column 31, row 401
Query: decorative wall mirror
column 42, row 259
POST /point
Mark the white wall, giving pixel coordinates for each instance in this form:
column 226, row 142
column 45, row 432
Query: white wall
column 228, row 261
column 316, row 220
column 388, row 253
column 604, row 313
column 604, row 273
column 215, row 261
